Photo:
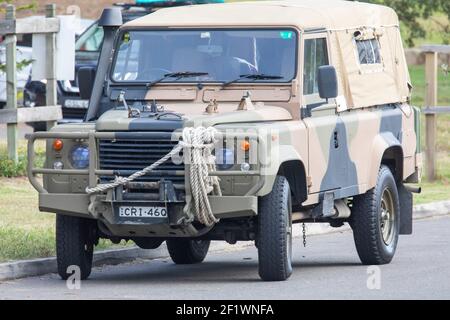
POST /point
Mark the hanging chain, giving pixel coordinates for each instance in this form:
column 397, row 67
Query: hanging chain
column 304, row 234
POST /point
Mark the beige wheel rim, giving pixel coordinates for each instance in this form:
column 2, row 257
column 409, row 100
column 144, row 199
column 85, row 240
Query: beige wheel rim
column 387, row 217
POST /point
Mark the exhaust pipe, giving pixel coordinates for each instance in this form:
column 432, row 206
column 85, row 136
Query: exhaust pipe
column 413, row 189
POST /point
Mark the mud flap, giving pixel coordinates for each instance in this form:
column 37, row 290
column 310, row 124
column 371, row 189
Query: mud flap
column 406, row 210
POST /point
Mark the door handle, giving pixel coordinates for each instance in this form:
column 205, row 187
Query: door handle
column 336, row 141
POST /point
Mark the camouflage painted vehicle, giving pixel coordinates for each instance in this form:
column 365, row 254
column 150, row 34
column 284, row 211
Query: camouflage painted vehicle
column 311, row 98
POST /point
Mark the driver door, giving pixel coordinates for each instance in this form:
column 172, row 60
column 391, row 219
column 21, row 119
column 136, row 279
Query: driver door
column 325, row 129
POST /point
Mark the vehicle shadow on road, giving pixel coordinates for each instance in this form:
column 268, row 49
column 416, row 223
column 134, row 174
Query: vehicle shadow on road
column 165, row 271
column 161, row 272
column 324, row 264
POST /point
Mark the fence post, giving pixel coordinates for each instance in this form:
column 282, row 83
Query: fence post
column 51, row 95
column 11, row 85
column 431, row 74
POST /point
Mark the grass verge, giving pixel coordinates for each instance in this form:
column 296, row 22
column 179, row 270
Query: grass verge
column 10, row 169
column 439, row 190
column 24, row 231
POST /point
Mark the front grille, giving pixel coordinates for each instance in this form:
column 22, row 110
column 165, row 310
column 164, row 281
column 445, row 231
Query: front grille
column 126, row 156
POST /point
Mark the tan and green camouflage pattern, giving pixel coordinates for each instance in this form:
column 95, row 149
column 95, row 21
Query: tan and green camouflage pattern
column 333, row 150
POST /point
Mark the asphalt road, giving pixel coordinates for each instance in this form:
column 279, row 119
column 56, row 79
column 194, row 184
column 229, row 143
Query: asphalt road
column 327, row 268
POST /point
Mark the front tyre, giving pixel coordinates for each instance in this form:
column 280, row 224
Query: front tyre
column 74, row 245
column 274, row 238
column 186, row 251
column 376, row 220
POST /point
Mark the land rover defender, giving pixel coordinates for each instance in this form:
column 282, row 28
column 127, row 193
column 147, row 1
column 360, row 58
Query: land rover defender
column 288, row 112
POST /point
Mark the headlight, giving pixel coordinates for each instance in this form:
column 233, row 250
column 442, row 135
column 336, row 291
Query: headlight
column 224, row 159
column 79, row 157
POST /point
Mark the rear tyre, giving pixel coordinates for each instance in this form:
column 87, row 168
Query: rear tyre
column 186, row 251
column 274, row 236
column 75, row 240
column 376, row 220
column 148, row 243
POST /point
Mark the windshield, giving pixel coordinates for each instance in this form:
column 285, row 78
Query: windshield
column 221, row 55
column 91, row 40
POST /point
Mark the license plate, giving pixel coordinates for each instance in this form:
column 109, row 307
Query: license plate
column 76, row 104
column 142, row 212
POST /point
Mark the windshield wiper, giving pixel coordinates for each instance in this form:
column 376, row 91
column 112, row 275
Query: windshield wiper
column 177, row 75
column 257, row 76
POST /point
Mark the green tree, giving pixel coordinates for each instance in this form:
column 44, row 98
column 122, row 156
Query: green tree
column 4, row 3
column 30, row 6
column 411, row 11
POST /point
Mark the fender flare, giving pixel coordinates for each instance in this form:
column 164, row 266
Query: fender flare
column 385, row 147
column 287, row 155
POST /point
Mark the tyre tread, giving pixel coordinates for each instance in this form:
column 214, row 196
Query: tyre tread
column 365, row 223
column 272, row 265
column 181, row 252
column 70, row 233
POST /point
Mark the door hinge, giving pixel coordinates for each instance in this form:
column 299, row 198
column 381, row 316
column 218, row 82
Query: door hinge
column 309, row 181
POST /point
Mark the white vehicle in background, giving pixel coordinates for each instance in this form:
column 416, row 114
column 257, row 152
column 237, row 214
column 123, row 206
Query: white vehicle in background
column 24, row 58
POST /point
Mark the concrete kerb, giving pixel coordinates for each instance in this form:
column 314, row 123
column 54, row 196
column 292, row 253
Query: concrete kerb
column 36, row 267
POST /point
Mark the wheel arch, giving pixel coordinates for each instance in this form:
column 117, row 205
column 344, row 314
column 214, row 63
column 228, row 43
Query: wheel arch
column 393, row 158
column 288, row 163
column 387, row 150
column 295, row 173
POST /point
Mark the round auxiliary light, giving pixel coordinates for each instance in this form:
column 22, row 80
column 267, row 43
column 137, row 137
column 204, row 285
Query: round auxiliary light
column 58, row 145
column 58, row 165
column 245, row 167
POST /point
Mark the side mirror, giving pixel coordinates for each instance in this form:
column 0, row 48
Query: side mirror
column 328, row 84
column 86, row 78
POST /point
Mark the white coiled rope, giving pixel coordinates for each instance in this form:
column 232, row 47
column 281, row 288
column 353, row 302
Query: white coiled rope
column 197, row 144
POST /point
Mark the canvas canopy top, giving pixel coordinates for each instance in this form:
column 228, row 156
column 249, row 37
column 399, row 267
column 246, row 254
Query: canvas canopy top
column 343, row 21
column 303, row 14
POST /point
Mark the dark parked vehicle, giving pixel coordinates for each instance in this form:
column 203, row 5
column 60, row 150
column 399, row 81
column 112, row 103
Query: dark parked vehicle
column 87, row 48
